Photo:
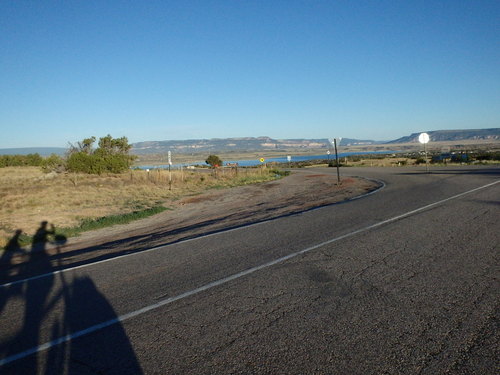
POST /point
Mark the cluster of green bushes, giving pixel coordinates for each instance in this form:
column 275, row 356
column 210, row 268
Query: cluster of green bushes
column 111, row 156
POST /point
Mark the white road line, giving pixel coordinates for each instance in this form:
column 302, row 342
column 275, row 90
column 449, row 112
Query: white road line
column 52, row 273
column 219, row 282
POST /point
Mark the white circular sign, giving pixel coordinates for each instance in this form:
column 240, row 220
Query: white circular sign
column 423, row 138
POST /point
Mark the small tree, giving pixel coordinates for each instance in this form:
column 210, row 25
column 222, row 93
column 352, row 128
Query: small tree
column 214, row 161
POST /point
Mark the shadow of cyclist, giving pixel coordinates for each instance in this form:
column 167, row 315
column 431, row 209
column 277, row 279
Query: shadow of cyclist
column 54, row 311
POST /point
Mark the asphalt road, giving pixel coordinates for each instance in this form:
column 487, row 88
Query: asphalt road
column 403, row 281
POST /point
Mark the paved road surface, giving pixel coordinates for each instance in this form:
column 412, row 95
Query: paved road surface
column 404, row 281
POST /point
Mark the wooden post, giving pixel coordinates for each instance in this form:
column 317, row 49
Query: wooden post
column 169, row 177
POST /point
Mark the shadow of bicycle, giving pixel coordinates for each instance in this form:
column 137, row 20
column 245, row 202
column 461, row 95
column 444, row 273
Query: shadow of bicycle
column 45, row 319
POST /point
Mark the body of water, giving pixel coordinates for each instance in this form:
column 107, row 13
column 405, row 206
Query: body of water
column 283, row 159
column 251, row 163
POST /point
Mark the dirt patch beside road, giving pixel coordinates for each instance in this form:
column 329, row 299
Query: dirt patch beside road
column 213, row 211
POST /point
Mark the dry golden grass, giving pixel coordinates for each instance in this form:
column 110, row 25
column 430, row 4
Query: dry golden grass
column 29, row 196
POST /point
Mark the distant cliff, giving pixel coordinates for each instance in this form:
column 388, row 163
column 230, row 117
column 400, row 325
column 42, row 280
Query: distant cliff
column 236, row 144
column 267, row 143
column 453, row 135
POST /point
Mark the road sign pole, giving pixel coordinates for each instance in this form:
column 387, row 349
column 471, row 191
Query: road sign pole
column 424, row 138
column 426, row 159
column 337, row 161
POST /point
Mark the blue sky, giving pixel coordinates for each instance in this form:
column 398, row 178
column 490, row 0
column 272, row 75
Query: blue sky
column 161, row 70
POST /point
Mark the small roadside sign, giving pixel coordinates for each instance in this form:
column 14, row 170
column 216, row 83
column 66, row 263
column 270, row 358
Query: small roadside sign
column 169, row 158
column 262, row 160
column 289, row 158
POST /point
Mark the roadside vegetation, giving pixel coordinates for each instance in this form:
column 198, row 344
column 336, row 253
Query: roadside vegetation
column 95, row 187
column 75, row 202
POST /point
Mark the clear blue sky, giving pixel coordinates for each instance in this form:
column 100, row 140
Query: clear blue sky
column 161, row 70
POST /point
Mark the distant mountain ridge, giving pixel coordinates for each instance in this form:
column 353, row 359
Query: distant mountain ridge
column 237, row 144
column 492, row 134
column 267, row 143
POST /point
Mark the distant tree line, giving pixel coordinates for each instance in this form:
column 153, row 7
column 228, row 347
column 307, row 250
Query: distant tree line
column 487, row 155
column 32, row 160
column 111, row 156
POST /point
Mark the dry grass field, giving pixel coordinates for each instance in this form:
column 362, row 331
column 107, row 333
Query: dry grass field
column 29, row 196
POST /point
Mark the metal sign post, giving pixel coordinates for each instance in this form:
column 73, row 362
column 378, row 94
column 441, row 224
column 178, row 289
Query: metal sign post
column 424, row 138
column 262, row 160
column 337, row 160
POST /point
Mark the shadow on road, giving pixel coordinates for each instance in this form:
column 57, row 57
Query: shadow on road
column 46, row 309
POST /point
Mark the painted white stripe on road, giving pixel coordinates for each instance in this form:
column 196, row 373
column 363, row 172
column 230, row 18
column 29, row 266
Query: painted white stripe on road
column 225, row 280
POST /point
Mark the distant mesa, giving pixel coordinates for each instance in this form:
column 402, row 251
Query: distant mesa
column 238, row 144
column 267, row 143
column 492, row 134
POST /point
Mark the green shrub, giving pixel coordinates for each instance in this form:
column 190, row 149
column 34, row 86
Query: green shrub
column 110, row 157
column 53, row 163
column 214, row 161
